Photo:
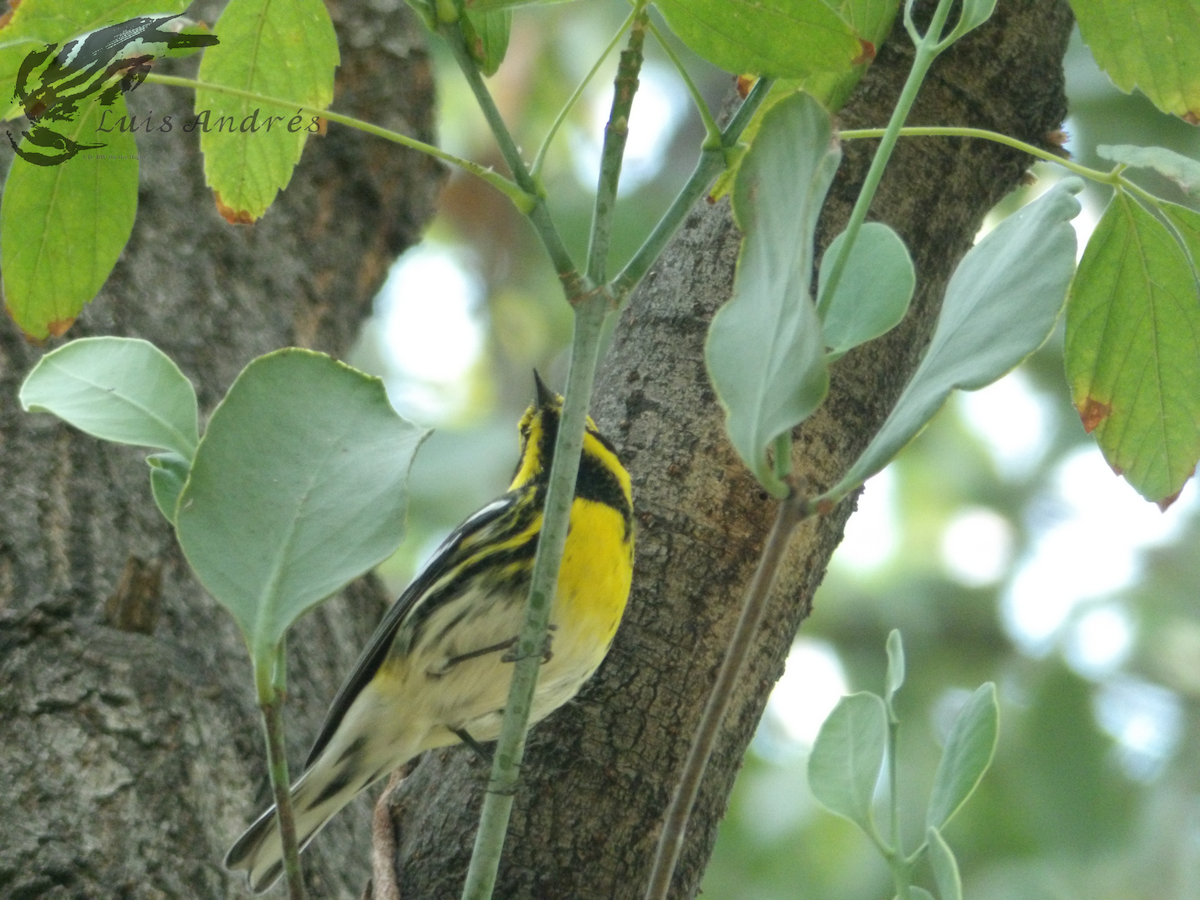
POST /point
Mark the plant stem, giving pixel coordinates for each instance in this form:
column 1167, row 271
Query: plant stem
column 270, row 703
column 928, row 49
column 616, row 131
column 893, row 782
column 590, row 311
column 792, row 510
column 712, row 131
column 502, row 783
column 537, row 212
column 712, row 161
column 540, row 157
column 1111, row 177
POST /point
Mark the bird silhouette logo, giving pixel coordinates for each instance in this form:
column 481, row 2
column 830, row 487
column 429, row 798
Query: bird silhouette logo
column 55, row 85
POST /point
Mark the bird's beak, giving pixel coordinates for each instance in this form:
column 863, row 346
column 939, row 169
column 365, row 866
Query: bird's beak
column 545, row 396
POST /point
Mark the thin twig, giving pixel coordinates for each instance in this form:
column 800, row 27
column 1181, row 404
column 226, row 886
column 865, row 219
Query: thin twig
column 792, row 510
column 272, row 713
column 712, row 161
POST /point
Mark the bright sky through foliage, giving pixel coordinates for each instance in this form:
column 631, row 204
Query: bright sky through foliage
column 658, row 110
column 429, row 308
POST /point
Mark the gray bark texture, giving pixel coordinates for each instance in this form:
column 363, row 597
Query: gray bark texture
column 130, row 739
column 131, row 750
column 600, row 772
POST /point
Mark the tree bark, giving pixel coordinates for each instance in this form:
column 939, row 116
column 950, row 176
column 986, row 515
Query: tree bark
column 134, row 758
column 600, row 772
column 132, row 753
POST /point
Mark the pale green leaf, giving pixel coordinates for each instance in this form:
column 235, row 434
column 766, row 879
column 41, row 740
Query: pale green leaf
column 1133, row 349
column 1183, row 170
column 283, row 50
column 124, row 390
column 63, row 225
column 895, row 667
column 847, row 757
column 779, row 38
column 966, row 756
column 1001, row 304
column 168, row 474
column 873, row 292
column 944, row 865
column 765, row 351
column 1153, row 45
column 297, row 487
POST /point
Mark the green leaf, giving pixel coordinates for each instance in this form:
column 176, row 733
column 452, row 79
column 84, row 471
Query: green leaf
column 36, row 23
column 1186, row 223
column 284, row 50
column 779, row 38
column 1133, row 350
column 895, row 669
column 944, row 865
column 765, row 351
column 967, row 755
column 297, row 487
column 1183, row 170
column 1153, row 46
column 118, row 389
column 919, row 893
column 847, row 757
column 168, row 474
column 874, row 291
column 1000, row 305
column 872, row 21
column 486, row 33
column 62, row 226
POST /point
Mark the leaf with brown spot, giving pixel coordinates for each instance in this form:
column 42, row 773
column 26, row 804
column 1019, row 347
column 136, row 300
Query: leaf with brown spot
column 1092, row 413
column 1133, row 346
column 231, row 215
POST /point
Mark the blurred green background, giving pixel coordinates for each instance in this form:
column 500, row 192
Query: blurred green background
column 999, row 542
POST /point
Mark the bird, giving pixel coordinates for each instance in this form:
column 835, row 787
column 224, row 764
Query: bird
column 437, row 669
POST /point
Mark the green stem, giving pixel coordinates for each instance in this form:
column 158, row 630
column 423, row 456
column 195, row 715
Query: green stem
column 893, row 782
column 539, row 159
column 1111, row 177
column 616, row 132
column 712, row 131
column 270, row 703
column 792, row 510
column 495, row 179
column 928, row 49
column 590, row 311
column 502, row 784
column 536, row 210
column 712, row 161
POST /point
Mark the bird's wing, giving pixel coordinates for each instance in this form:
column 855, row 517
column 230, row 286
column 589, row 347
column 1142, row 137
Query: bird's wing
column 381, row 641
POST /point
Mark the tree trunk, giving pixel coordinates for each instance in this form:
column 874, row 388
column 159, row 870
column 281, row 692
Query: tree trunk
column 132, row 753
column 600, row 772
column 134, row 758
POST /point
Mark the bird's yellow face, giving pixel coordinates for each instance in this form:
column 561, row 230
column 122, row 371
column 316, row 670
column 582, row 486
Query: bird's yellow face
column 538, row 430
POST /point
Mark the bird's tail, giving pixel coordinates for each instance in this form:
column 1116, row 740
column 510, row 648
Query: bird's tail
column 316, row 798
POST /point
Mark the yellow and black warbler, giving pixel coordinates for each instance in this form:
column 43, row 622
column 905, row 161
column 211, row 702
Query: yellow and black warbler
column 438, row 667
